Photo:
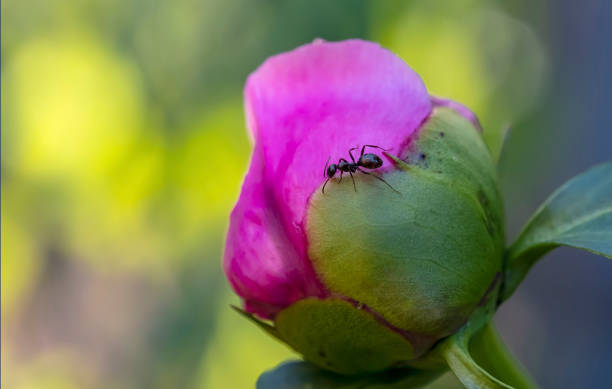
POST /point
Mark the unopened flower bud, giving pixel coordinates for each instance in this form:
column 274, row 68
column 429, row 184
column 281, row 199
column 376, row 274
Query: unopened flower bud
column 407, row 238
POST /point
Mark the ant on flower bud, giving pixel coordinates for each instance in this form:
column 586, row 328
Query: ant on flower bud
column 368, row 161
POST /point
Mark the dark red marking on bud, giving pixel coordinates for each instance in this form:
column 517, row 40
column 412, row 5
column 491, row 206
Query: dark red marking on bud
column 420, row 342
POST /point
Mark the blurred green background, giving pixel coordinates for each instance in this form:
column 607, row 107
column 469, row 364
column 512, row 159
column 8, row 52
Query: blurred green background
column 123, row 150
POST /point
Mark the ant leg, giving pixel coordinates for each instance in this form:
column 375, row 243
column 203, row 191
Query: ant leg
column 341, row 172
column 351, row 154
column 323, row 189
column 378, row 147
column 379, row 178
column 353, row 178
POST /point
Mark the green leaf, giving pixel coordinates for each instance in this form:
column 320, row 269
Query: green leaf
column 579, row 214
column 303, row 375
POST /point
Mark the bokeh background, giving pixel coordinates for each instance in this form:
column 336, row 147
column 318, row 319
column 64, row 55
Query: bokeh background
column 123, row 149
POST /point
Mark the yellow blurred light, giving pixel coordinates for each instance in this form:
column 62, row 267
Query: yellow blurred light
column 112, row 223
column 78, row 128
column 474, row 54
column 208, row 165
column 441, row 48
column 76, row 104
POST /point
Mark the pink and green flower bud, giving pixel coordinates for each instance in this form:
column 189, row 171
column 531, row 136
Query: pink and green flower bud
column 362, row 280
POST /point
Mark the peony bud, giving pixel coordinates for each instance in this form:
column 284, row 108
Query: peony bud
column 372, row 272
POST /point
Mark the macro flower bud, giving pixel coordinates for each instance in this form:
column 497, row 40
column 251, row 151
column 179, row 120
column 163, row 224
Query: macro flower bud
column 407, row 238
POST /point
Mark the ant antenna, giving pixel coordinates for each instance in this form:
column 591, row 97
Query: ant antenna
column 323, row 190
column 325, row 170
column 378, row 147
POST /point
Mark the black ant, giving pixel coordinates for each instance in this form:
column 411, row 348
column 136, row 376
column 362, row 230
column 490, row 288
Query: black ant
column 368, row 161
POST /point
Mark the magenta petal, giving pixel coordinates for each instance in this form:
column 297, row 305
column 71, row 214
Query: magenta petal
column 302, row 107
column 459, row 108
column 261, row 263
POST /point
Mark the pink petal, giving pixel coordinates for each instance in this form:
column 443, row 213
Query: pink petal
column 261, row 263
column 302, row 107
column 458, row 108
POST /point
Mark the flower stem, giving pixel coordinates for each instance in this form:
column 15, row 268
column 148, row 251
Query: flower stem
column 490, row 352
column 470, row 373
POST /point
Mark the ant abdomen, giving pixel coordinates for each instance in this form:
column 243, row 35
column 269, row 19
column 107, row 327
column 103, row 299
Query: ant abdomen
column 370, row 161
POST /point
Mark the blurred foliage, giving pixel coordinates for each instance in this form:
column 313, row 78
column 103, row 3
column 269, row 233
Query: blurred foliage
column 471, row 51
column 123, row 149
column 240, row 352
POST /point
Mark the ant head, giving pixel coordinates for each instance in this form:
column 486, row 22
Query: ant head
column 331, row 170
column 370, row 161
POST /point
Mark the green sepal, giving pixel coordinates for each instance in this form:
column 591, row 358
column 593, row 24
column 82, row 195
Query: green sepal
column 259, row 323
column 578, row 214
column 425, row 257
column 339, row 336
